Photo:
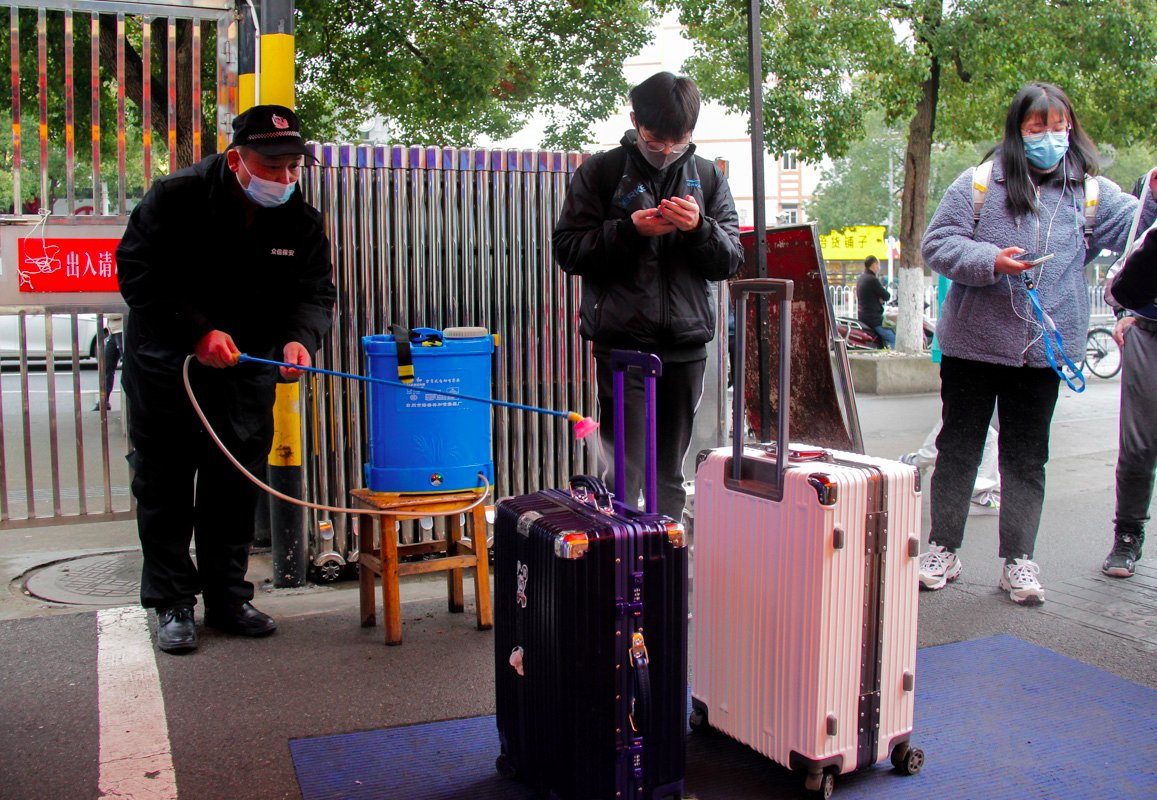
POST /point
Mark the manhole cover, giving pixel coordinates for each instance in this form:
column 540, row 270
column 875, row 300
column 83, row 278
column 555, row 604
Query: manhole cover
column 109, row 579
column 1125, row 608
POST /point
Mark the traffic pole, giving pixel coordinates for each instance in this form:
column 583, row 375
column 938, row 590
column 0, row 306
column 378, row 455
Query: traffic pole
column 247, row 57
column 286, row 520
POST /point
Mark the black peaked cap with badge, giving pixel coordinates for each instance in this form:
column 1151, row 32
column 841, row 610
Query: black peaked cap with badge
column 271, row 130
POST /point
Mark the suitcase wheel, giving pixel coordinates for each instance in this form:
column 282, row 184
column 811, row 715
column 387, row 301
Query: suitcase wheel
column 698, row 720
column 907, row 759
column 820, row 784
column 504, row 767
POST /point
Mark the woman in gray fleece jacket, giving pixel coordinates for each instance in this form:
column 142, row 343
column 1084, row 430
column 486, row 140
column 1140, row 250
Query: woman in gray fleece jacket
column 993, row 343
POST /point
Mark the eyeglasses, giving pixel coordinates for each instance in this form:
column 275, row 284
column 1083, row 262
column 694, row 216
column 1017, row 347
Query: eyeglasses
column 1038, row 128
column 659, row 147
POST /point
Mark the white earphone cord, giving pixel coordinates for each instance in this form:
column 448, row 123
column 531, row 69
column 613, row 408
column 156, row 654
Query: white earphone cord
column 305, row 503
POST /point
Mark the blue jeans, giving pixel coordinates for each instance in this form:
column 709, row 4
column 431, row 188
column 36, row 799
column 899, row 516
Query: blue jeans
column 887, row 334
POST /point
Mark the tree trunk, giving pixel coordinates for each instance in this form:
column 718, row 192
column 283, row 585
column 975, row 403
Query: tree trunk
column 159, row 105
column 913, row 213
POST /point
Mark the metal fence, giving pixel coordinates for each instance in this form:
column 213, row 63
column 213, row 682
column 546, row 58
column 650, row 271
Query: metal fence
column 61, row 451
column 96, row 154
column 102, row 97
column 844, row 302
column 441, row 237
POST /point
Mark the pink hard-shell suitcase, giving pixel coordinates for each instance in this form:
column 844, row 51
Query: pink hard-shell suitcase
column 805, row 595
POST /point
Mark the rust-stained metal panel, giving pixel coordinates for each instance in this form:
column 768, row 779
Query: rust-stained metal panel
column 822, row 408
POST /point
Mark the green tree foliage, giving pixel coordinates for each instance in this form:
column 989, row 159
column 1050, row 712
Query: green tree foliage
column 854, row 189
column 945, row 70
column 446, row 73
column 1129, row 164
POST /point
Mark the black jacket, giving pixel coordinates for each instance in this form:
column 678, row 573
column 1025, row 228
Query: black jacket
column 651, row 294
column 189, row 263
column 1135, row 286
column 870, row 298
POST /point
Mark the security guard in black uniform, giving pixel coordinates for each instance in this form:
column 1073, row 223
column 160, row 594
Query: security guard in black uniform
column 220, row 258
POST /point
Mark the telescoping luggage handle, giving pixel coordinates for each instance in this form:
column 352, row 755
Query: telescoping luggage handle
column 782, row 292
column 652, row 367
column 591, row 489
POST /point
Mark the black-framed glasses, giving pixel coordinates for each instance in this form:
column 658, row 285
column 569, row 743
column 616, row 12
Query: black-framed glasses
column 659, row 147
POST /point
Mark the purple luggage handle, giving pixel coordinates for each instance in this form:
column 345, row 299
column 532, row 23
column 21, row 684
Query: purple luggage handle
column 651, row 367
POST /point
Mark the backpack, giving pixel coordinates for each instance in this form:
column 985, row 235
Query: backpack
column 983, row 174
column 612, row 173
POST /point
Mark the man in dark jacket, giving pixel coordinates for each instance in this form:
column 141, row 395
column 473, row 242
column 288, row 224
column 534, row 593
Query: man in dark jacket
column 870, row 298
column 220, row 258
column 649, row 226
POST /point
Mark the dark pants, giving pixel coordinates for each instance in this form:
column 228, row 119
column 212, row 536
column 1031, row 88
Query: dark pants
column 113, row 347
column 1137, row 451
column 677, row 394
column 1024, row 398
column 187, row 490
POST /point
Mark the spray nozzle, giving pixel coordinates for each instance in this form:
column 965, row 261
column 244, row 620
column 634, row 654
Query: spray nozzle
column 583, row 426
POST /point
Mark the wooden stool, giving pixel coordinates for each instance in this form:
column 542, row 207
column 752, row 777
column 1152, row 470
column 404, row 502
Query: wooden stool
column 384, row 560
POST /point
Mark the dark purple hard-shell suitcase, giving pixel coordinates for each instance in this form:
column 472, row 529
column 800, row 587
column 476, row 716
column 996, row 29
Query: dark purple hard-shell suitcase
column 590, row 636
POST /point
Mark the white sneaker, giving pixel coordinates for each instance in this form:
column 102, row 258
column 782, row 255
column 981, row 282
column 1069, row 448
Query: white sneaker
column 917, row 460
column 937, row 567
column 1020, row 581
column 985, row 503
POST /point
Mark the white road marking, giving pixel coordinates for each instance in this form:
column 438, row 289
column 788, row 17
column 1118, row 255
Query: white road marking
column 135, row 755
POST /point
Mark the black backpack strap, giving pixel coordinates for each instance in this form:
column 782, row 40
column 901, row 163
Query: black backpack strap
column 611, row 172
column 707, row 182
column 402, row 336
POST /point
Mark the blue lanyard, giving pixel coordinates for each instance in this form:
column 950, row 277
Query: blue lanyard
column 1050, row 332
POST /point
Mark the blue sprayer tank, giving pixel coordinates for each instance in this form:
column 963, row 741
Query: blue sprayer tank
column 424, row 442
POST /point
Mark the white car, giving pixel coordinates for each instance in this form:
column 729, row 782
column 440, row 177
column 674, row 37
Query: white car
column 61, row 336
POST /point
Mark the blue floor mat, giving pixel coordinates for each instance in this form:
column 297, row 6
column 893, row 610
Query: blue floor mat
column 996, row 718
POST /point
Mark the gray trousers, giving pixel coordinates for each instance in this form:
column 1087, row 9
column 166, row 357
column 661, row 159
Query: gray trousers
column 1137, row 445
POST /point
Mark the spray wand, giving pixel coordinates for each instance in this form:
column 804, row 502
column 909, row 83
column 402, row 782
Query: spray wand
column 583, row 426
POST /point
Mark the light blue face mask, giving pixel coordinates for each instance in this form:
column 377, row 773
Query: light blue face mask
column 1045, row 150
column 267, row 194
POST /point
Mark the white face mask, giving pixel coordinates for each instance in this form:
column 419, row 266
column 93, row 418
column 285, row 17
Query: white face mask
column 265, row 193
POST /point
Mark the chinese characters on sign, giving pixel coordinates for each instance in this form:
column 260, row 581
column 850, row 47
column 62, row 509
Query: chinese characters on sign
column 67, row 265
column 855, row 244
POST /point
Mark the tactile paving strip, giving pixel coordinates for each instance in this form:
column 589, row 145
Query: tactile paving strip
column 1125, row 607
column 108, row 579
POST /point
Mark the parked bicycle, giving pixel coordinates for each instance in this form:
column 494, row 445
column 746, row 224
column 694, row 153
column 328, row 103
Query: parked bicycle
column 1102, row 353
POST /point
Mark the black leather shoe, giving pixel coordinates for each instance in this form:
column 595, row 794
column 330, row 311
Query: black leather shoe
column 176, row 632
column 244, row 620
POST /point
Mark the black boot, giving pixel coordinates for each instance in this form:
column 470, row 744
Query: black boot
column 1122, row 559
column 242, row 619
column 176, row 632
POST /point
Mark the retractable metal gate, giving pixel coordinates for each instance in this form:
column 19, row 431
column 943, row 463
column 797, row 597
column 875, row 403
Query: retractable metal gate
column 419, row 235
column 441, row 237
column 102, row 98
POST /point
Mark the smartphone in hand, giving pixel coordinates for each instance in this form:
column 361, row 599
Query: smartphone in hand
column 1033, row 259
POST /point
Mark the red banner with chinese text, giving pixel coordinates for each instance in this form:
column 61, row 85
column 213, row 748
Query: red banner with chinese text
column 67, row 265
